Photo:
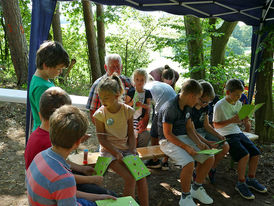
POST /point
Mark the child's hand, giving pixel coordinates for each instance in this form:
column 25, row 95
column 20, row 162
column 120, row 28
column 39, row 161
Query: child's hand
column 202, row 146
column 119, row 156
column 133, row 151
column 142, row 125
column 87, row 170
column 105, row 197
column 235, row 119
column 138, row 104
column 212, row 144
column 190, row 150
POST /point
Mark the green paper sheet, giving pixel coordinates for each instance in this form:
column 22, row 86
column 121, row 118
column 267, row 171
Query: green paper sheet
column 121, row 201
column 209, row 151
column 102, row 165
column 248, row 110
column 136, row 167
column 219, row 142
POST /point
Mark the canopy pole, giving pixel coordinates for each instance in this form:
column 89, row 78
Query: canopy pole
column 255, row 62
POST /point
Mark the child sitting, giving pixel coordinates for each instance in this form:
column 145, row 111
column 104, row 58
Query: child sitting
column 203, row 127
column 140, row 98
column 242, row 150
column 39, row 140
column 179, row 141
column 114, row 127
column 51, row 59
column 49, row 179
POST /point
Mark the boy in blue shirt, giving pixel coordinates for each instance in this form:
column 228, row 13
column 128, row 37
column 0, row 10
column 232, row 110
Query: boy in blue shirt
column 242, row 150
column 203, row 127
column 179, row 141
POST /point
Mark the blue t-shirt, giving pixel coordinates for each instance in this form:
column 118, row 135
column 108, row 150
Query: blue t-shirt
column 198, row 116
column 161, row 93
column 171, row 113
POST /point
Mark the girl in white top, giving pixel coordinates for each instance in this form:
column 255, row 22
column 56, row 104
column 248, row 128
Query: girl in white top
column 114, row 127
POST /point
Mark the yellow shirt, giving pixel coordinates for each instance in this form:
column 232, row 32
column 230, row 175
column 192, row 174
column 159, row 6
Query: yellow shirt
column 116, row 125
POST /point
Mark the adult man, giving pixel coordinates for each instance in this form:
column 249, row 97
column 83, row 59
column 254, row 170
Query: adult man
column 113, row 63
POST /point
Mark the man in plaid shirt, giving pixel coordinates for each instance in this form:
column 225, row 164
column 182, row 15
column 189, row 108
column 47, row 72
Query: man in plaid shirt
column 113, row 63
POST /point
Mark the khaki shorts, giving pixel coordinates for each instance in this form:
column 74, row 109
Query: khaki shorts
column 179, row 155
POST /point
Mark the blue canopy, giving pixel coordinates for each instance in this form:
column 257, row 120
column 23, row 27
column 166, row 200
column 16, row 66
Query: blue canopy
column 257, row 13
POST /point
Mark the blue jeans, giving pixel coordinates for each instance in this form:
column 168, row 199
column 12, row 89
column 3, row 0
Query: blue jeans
column 84, row 202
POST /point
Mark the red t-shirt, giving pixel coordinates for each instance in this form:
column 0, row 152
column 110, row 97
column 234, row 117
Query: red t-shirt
column 38, row 141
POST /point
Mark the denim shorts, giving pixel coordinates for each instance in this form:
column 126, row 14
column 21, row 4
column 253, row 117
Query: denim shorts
column 179, row 155
column 240, row 146
column 85, row 202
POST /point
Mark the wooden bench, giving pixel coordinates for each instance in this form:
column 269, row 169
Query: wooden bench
column 20, row 96
column 143, row 152
column 251, row 136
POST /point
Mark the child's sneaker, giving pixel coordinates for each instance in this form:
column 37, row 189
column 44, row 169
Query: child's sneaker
column 211, row 176
column 187, row 201
column 165, row 166
column 201, row 195
column 242, row 188
column 153, row 164
column 255, row 185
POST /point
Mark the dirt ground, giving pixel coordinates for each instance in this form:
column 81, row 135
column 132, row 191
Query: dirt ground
column 164, row 186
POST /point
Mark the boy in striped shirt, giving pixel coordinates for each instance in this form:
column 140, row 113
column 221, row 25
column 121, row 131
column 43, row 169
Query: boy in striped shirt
column 49, row 178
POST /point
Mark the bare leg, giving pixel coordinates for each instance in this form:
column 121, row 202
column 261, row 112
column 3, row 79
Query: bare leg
column 220, row 155
column 242, row 167
column 154, row 141
column 253, row 163
column 203, row 169
column 185, row 177
column 129, row 181
column 142, row 191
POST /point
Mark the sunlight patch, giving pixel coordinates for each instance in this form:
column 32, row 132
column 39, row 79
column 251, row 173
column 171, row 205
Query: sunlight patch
column 2, row 146
column 224, row 194
column 169, row 188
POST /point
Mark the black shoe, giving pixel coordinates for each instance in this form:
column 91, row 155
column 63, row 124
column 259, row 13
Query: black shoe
column 154, row 164
column 165, row 166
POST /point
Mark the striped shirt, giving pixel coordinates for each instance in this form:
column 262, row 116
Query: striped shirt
column 50, row 181
column 93, row 100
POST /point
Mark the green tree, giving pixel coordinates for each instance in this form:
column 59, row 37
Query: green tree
column 236, row 46
column 16, row 39
column 130, row 37
column 195, row 47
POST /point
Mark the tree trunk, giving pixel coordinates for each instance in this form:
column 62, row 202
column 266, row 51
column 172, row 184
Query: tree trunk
column 219, row 43
column 195, row 47
column 16, row 38
column 57, row 34
column 101, row 36
column 5, row 53
column 91, row 39
column 264, row 118
column 218, row 48
column 56, row 25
